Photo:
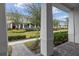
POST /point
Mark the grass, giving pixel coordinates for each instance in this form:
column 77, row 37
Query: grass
column 62, row 30
column 29, row 32
column 16, row 34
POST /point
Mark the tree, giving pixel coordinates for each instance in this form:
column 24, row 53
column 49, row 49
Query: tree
column 14, row 16
column 67, row 20
column 35, row 11
column 55, row 23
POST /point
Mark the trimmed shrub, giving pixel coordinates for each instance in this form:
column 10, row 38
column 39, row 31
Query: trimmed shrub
column 33, row 35
column 60, row 37
column 15, row 38
column 9, row 29
column 25, row 36
column 30, row 29
column 18, row 31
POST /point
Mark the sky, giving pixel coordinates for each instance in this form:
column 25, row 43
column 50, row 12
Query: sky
column 11, row 6
column 57, row 13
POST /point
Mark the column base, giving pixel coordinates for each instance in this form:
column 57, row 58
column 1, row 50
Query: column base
column 3, row 54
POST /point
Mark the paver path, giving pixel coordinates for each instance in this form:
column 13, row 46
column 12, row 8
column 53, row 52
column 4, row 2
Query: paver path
column 22, row 41
column 21, row 50
column 66, row 49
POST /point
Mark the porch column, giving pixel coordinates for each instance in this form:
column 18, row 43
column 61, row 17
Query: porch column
column 3, row 33
column 71, row 33
column 30, row 26
column 19, row 26
column 16, row 26
column 46, row 29
column 35, row 26
column 11, row 25
column 23, row 26
column 74, row 26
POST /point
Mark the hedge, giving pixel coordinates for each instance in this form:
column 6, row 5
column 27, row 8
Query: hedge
column 60, row 37
column 25, row 36
column 17, row 31
column 33, row 35
column 15, row 38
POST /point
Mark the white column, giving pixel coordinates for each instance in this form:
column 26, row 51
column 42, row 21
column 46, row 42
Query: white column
column 11, row 25
column 19, row 26
column 23, row 26
column 46, row 29
column 30, row 26
column 74, row 26
column 16, row 26
column 35, row 26
column 76, row 22
column 3, row 33
column 71, row 28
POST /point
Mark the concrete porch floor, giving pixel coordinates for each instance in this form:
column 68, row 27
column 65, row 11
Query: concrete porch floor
column 67, row 49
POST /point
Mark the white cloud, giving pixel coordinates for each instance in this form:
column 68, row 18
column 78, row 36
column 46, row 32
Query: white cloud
column 56, row 10
column 19, row 5
column 61, row 17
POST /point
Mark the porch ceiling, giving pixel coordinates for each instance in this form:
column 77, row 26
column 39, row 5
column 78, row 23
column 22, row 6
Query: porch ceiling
column 71, row 5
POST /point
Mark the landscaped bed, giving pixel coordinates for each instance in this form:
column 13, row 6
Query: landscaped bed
column 60, row 36
column 34, row 46
column 14, row 35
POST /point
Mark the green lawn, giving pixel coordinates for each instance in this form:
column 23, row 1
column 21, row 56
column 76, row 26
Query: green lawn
column 24, row 33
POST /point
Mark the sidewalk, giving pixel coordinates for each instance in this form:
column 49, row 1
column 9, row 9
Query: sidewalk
column 21, row 50
column 23, row 41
